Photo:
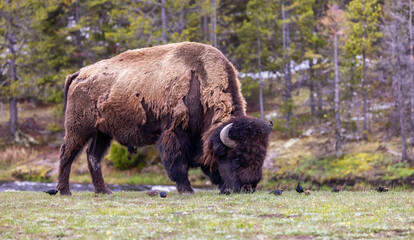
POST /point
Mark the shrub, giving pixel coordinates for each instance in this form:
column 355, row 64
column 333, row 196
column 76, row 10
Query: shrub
column 123, row 160
column 53, row 128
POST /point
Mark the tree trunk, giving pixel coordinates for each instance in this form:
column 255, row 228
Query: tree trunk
column 260, row 72
column 182, row 22
column 358, row 131
column 411, row 69
column 319, row 92
column 400, row 102
column 164, row 22
column 364, row 98
column 337, row 115
column 13, row 116
column 11, row 40
column 205, row 27
column 311, row 88
column 401, row 115
column 286, row 70
column 1, row 111
column 213, row 36
column 78, row 36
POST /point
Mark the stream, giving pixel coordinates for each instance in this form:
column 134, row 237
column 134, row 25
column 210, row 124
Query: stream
column 11, row 186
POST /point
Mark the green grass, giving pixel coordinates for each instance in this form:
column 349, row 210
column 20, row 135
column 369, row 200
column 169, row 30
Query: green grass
column 207, row 215
column 128, row 178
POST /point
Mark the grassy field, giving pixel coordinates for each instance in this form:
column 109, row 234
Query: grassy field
column 207, row 215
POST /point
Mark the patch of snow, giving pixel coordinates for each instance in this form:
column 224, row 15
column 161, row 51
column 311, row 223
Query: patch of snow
column 382, row 106
column 295, row 67
column 308, row 132
column 271, row 115
column 163, row 188
column 290, row 142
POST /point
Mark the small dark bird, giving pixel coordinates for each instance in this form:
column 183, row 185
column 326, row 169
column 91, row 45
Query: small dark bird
column 335, row 189
column 51, row 191
column 277, row 192
column 382, row 189
column 152, row 193
column 163, row 194
column 307, row 192
column 299, row 188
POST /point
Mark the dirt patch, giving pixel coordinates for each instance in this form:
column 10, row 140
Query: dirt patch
column 296, row 237
column 350, row 181
column 391, row 233
column 278, row 215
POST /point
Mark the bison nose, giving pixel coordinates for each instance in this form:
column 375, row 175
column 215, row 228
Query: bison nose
column 247, row 188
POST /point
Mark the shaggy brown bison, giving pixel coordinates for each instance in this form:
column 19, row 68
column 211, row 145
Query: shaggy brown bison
column 183, row 97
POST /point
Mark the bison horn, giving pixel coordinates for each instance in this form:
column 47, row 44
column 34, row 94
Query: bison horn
column 224, row 137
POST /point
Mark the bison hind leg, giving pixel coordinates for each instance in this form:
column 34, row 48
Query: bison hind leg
column 96, row 149
column 68, row 151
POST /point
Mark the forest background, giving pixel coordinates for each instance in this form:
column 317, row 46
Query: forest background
column 335, row 77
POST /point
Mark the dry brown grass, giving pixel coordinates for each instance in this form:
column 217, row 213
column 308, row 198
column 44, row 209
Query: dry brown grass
column 16, row 154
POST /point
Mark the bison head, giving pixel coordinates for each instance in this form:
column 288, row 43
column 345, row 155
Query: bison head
column 239, row 148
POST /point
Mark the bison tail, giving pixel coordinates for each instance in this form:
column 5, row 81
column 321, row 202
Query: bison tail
column 68, row 81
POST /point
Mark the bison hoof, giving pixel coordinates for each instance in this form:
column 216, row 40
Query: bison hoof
column 186, row 190
column 104, row 191
column 225, row 192
column 65, row 192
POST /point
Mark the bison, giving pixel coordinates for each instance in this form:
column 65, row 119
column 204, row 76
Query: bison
column 183, row 97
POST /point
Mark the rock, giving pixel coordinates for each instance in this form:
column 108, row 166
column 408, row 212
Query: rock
column 152, row 193
column 335, row 189
column 308, row 132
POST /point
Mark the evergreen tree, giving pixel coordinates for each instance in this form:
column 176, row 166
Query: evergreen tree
column 15, row 17
column 397, row 56
column 363, row 21
column 258, row 41
column 334, row 25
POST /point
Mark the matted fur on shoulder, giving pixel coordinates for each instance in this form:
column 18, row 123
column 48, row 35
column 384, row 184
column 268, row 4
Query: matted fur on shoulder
column 161, row 76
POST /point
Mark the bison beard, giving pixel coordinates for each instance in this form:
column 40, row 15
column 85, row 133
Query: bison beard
column 183, row 97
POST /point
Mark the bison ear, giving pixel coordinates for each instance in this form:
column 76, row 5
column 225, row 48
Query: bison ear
column 219, row 149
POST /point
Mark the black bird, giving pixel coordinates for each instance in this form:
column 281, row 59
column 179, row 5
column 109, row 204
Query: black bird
column 335, row 189
column 163, row 194
column 299, row 188
column 277, row 192
column 382, row 189
column 51, row 192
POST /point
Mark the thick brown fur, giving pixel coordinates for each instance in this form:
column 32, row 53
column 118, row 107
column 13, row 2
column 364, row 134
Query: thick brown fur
column 175, row 95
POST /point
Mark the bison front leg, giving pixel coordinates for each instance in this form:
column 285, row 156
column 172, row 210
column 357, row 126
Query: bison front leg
column 175, row 155
column 95, row 152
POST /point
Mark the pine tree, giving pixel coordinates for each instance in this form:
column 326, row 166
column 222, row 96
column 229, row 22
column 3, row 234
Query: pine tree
column 397, row 56
column 363, row 20
column 15, row 19
column 334, row 24
column 257, row 42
